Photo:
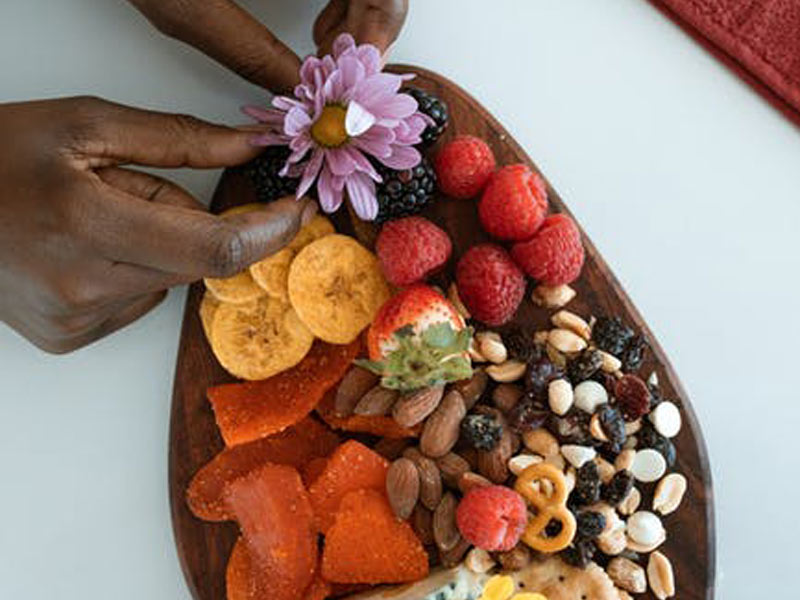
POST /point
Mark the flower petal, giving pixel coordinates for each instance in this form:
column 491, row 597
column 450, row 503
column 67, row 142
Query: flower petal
column 264, row 115
column 361, row 191
column 398, row 106
column 376, row 89
column 358, row 120
column 285, row 103
column 370, row 57
column 402, row 158
column 310, row 173
column 362, row 164
column 339, row 162
column 377, row 142
column 343, row 43
column 330, row 195
column 297, row 121
column 269, row 139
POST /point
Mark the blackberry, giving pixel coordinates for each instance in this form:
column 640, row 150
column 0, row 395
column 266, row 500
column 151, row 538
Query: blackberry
column 616, row 490
column 579, row 554
column 436, row 109
column 587, row 485
column 263, row 173
column 521, row 346
column 584, row 366
column 611, row 334
column 590, row 524
column 648, row 437
column 483, row 431
column 632, row 356
column 539, row 375
column 404, row 193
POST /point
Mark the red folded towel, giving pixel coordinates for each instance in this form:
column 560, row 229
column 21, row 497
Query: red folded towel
column 759, row 39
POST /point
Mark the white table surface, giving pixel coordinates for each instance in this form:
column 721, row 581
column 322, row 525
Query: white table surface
column 686, row 180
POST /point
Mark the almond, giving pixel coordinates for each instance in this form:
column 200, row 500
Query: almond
column 422, row 524
column 413, row 408
column 376, row 402
column 443, row 427
column 402, row 487
column 470, row 481
column 472, row 389
column 493, row 464
column 506, row 395
column 445, row 531
column 391, row 448
column 355, row 384
column 430, row 482
column 452, row 466
column 452, row 558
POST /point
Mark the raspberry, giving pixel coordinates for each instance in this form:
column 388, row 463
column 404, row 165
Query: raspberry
column 492, row 518
column 410, row 249
column 514, row 203
column 490, row 284
column 464, row 166
column 554, row 256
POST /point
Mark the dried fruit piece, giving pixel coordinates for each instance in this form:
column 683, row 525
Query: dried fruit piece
column 633, row 397
column 313, row 470
column 253, row 410
column 274, row 513
column 208, row 310
column 272, row 273
column 367, row 544
column 318, row 590
column 296, row 446
column 482, row 431
column 352, row 466
column 242, row 580
column 239, row 289
column 382, row 426
column 492, row 518
column 611, row 334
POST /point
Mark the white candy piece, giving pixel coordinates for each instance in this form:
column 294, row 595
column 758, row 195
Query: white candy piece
column 648, row 465
column 645, row 528
column 666, row 418
column 560, row 396
column 578, row 455
column 589, row 395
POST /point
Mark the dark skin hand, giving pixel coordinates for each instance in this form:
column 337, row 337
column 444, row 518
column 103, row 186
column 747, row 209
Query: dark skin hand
column 233, row 37
column 87, row 245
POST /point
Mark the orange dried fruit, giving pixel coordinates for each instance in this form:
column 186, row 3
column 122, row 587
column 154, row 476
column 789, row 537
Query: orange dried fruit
column 311, row 471
column 318, row 590
column 368, row 544
column 241, row 581
column 274, row 513
column 381, row 426
column 296, row 446
column 352, row 466
column 254, row 410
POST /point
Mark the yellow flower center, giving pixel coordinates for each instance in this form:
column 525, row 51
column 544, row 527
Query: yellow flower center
column 329, row 130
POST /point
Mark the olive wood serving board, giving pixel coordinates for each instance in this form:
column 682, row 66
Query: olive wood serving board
column 204, row 548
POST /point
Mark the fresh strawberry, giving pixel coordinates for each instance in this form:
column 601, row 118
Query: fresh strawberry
column 514, row 203
column 492, row 518
column 553, row 256
column 418, row 339
column 410, row 249
column 490, row 284
column 464, row 166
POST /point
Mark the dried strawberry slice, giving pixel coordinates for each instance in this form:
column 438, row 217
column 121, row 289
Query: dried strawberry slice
column 368, row 544
column 274, row 513
column 254, row 410
column 296, row 446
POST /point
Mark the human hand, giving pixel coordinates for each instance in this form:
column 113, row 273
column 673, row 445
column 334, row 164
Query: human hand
column 87, row 246
column 375, row 22
column 228, row 34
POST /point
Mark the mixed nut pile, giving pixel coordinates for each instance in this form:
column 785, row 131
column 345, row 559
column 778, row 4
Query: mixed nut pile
column 567, row 397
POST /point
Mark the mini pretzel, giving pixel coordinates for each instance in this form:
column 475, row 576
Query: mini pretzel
column 547, row 508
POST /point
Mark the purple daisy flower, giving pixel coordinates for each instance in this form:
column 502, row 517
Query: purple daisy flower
column 344, row 110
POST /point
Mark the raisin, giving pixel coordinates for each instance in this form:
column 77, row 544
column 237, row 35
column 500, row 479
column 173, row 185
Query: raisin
column 590, row 524
column 632, row 356
column 648, row 437
column 482, row 431
column 580, row 553
column 527, row 415
column 539, row 375
column 572, row 429
column 616, row 490
column 656, row 397
column 584, row 366
column 613, row 425
column 520, row 345
column 611, row 334
column 587, row 485
column 632, row 396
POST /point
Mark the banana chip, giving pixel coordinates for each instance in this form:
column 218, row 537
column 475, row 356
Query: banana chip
column 336, row 287
column 208, row 310
column 260, row 339
column 318, row 228
column 239, row 289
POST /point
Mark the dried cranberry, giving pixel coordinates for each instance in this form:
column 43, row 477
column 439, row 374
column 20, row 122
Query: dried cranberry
column 616, row 490
column 572, row 429
column 613, row 425
column 579, row 554
column 539, row 375
column 584, row 366
column 611, row 334
column 648, row 437
column 527, row 414
column 590, row 524
column 520, row 345
column 632, row 396
column 587, row 485
column 632, row 356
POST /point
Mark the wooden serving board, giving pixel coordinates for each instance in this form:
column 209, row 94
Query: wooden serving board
column 204, row 548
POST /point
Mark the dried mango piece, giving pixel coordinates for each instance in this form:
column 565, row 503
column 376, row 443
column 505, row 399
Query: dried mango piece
column 336, row 286
column 368, row 544
column 352, row 466
column 382, row 426
column 318, row 590
column 274, row 513
column 298, row 446
column 241, row 581
column 311, row 471
column 253, row 410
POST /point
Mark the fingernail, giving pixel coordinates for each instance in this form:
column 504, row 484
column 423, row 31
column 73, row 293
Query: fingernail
column 309, row 212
